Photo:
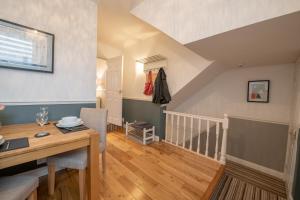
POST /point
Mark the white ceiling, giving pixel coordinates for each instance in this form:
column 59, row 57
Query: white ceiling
column 119, row 28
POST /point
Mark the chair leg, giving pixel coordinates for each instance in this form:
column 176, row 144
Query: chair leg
column 82, row 184
column 33, row 195
column 104, row 161
column 51, row 178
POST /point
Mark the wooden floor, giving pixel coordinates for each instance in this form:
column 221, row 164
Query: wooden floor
column 158, row 171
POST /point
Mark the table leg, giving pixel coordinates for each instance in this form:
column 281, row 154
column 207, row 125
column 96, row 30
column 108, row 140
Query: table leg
column 93, row 167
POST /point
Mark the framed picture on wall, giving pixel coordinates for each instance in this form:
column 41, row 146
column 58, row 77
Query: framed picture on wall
column 25, row 48
column 258, row 91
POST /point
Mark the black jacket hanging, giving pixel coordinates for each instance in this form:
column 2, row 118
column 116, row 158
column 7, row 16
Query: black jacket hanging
column 161, row 93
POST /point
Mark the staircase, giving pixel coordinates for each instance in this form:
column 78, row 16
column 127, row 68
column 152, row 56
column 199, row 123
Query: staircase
column 241, row 182
column 226, row 34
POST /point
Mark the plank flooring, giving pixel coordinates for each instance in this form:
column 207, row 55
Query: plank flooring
column 157, row 171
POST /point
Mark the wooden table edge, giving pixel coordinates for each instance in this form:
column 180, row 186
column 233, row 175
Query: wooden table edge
column 43, row 147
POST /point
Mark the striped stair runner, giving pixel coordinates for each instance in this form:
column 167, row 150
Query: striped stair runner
column 243, row 183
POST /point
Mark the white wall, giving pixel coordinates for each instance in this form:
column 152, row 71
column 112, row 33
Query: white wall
column 227, row 93
column 74, row 24
column 107, row 51
column 183, row 65
column 190, row 20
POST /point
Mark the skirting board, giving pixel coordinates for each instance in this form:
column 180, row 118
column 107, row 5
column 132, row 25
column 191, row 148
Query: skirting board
column 257, row 167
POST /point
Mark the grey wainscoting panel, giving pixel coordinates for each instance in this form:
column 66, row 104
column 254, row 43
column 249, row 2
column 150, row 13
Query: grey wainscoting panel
column 18, row 114
column 147, row 111
column 211, row 141
column 258, row 142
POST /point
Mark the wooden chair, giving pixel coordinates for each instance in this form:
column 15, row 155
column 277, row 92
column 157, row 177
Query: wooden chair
column 19, row 187
column 77, row 159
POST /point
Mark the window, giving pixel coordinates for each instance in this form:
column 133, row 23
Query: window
column 25, row 48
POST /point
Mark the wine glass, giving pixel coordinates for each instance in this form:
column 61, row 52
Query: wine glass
column 44, row 110
column 41, row 118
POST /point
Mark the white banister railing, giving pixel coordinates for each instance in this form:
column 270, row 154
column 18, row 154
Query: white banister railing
column 183, row 128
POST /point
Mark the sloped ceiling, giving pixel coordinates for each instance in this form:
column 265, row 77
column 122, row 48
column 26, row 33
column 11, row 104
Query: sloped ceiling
column 274, row 41
column 119, row 28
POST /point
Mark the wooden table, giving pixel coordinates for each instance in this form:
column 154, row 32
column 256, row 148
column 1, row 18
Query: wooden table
column 53, row 144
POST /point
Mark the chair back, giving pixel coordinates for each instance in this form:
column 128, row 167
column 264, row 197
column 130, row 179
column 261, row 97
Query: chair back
column 96, row 119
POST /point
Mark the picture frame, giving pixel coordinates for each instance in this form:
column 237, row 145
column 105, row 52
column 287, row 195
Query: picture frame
column 26, row 48
column 258, row 91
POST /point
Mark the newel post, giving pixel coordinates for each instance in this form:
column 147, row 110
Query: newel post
column 224, row 139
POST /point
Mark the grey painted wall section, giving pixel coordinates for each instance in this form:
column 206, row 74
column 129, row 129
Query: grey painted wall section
column 211, row 141
column 144, row 111
column 258, row 142
column 162, row 121
column 261, row 143
column 26, row 113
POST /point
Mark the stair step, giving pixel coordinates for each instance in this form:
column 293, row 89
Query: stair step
column 260, row 179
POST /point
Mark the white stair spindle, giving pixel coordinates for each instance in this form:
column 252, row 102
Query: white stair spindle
column 166, row 131
column 207, row 138
column 224, row 139
column 172, row 127
column 199, row 135
column 177, row 127
column 184, row 123
column 217, row 140
column 191, row 139
column 144, row 136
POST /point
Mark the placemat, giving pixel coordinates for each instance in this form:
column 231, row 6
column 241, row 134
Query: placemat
column 13, row 144
column 72, row 129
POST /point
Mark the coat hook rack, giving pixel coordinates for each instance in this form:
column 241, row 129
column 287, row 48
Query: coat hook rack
column 153, row 62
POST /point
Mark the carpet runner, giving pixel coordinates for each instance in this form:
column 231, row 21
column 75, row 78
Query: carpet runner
column 243, row 183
